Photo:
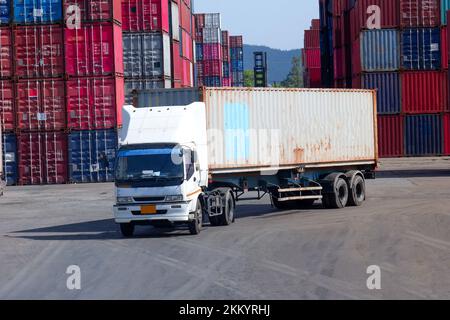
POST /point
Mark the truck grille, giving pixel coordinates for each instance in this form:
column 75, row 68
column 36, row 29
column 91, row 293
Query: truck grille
column 149, row 199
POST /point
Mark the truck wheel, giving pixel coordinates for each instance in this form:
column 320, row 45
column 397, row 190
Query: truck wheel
column 281, row 205
column 228, row 217
column 357, row 192
column 195, row 226
column 127, row 229
column 339, row 198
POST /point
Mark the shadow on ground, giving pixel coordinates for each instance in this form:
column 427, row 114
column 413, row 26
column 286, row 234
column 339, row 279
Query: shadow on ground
column 425, row 173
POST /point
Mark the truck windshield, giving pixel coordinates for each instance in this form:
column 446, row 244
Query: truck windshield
column 149, row 165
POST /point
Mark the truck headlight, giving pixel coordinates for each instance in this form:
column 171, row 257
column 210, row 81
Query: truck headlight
column 176, row 198
column 124, row 200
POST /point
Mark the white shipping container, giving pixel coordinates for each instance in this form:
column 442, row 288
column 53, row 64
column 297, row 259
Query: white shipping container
column 212, row 35
column 146, row 55
column 263, row 127
column 213, row 20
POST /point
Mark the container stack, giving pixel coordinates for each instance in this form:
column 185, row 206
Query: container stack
column 237, row 61
column 61, row 89
column 311, row 59
column 405, row 58
column 209, row 50
column 226, row 51
column 260, row 69
column 182, row 44
column 146, row 45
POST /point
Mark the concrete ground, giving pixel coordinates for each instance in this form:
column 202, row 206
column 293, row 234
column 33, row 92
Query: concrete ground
column 404, row 228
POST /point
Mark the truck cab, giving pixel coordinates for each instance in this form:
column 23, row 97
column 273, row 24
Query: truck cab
column 161, row 169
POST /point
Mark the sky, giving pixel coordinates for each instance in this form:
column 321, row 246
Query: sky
column 274, row 23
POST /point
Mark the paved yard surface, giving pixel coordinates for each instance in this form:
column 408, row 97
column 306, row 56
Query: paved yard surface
column 404, row 227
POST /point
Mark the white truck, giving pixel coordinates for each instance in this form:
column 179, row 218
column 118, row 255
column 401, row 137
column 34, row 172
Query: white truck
column 187, row 156
column 2, row 172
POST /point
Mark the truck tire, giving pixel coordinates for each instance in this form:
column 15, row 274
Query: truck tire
column 357, row 193
column 127, row 230
column 339, row 198
column 227, row 217
column 195, row 226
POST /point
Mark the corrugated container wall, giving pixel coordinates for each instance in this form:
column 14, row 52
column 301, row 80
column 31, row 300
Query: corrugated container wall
column 388, row 90
column 92, row 155
column 423, row 135
column 36, row 12
column 421, row 49
column 145, row 15
column 380, row 50
column 390, row 136
column 420, row 13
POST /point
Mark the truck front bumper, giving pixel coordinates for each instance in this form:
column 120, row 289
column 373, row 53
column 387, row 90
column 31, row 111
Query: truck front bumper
column 171, row 212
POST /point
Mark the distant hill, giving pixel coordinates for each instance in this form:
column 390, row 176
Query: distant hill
column 279, row 61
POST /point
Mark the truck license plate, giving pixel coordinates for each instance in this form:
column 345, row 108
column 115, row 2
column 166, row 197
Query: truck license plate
column 148, row 210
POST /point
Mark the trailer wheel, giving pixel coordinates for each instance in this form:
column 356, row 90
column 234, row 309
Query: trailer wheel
column 339, row 198
column 357, row 193
column 195, row 226
column 127, row 229
column 281, row 205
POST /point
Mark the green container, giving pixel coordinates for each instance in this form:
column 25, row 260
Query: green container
column 445, row 6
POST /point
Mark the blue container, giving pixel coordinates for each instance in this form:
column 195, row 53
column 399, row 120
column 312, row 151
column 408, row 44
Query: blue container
column 92, row 155
column 388, row 90
column 423, row 135
column 226, row 69
column 37, row 11
column 9, row 158
column 212, row 82
column 237, row 54
column 380, row 50
column 199, row 52
column 421, row 49
column 5, row 11
column 237, row 65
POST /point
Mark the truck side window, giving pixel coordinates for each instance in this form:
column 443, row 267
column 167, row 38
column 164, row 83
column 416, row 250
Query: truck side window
column 189, row 164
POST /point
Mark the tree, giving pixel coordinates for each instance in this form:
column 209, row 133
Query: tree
column 295, row 76
column 249, row 80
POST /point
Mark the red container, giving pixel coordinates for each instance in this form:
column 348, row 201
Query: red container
column 312, row 39
column 444, row 47
column 199, row 68
column 315, row 77
column 94, row 50
column 225, row 53
column 7, row 112
column 177, row 67
column 95, row 103
column 185, row 17
column 40, row 105
column 6, row 53
column 42, row 158
column 356, row 58
column 94, row 10
column 424, row 92
column 390, row 136
column 186, row 74
column 420, row 13
column 359, row 18
column 199, row 20
column 446, row 127
column 212, row 68
column 212, row 51
column 315, row 24
column 339, row 63
column 312, row 58
column 187, row 45
column 145, row 15
column 39, row 51
column 226, row 82
column 236, row 41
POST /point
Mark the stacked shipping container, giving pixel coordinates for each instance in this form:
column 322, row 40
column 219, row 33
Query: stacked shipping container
column 146, row 45
column 209, row 50
column 311, row 59
column 226, row 54
column 237, row 61
column 60, row 79
column 405, row 58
